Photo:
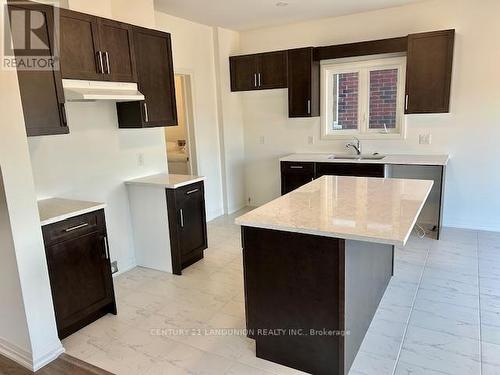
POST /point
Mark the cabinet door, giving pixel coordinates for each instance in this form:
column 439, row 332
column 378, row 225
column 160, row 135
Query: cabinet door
column 428, row 73
column 118, row 49
column 192, row 232
column 80, row 46
column 244, row 71
column 42, row 94
column 273, row 70
column 153, row 53
column 303, row 83
column 295, row 175
column 80, row 278
column 350, row 169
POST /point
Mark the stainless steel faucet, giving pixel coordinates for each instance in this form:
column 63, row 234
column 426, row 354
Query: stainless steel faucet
column 356, row 146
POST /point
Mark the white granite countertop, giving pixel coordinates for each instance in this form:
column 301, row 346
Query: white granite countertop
column 356, row 208
column 54, row 210
column 388, row 159
column 168, row 181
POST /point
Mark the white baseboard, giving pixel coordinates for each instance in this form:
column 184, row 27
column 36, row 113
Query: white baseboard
column 48, row 357
column 232, row 210
column 25, row 358
column 126, row 268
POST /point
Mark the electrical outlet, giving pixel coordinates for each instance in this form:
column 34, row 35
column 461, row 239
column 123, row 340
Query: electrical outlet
column 424, row 139
column 114, row 267
column 262, row 140
column 310, row 140
column 140, row 160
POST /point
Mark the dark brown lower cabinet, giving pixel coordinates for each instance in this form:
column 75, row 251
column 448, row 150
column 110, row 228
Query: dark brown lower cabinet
column 350, row 169
column 79, row 271
column 188, row 225
column 295, row 174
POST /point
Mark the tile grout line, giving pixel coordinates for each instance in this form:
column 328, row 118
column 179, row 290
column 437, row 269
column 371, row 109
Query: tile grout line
column 479, row 301
column 411, row 312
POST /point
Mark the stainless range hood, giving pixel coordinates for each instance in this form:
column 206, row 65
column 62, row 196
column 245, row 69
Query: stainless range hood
column 91, row 91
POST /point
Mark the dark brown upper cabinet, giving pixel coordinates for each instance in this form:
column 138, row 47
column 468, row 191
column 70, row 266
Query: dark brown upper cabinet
column 94, row 48
column 259, row 71
column 155, row 75
column 303, row 83
column 118, row 51
column 41, row 91
column 428, row 74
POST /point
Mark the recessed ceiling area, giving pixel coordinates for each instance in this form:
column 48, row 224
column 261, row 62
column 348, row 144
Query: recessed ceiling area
column 253, row 14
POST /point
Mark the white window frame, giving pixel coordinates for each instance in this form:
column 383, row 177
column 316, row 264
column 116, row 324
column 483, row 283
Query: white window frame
column 362, row 66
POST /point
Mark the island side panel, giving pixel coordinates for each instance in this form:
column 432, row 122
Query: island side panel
column 295, row 282
column 368, row 270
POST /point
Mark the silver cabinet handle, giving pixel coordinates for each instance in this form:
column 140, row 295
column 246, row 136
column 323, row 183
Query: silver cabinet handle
column 406, row 101
column 146, row 114
column 255, row 79
column 106, row 247
column 260, row 77
column 107, row 62
column 182, row 217
column 101, row 63
column 296, row 167
column 192, row 191
column 76, row 227
column 309, row 107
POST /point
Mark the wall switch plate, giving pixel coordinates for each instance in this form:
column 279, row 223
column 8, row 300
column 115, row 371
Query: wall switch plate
column 310, row 140
column 140, row 160
column 262, row 140
column 114, row 267
column 424, row 139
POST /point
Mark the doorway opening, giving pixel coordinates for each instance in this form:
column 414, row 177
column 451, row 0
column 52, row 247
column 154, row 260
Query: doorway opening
column 180, row 139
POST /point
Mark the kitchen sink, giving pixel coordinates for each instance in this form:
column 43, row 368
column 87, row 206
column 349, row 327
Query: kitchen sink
column 357, row 157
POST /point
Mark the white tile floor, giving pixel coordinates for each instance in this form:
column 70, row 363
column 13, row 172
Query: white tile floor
column 440, row 314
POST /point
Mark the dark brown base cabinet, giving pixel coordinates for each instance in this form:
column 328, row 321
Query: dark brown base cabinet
column 79, row 271
column 296, row 174
column 188, row 228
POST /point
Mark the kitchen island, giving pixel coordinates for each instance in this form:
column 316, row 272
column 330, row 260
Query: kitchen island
column 317, row 262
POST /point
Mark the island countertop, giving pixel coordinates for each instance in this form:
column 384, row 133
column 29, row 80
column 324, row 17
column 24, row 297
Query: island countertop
column 395, row 159
column 356, row 208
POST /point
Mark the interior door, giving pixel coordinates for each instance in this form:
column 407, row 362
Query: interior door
column 244, row 71
column 117, row 46
column 41, row 90
column 80, row 46
column 273, row 70
column 79, row 276
column 155, row 73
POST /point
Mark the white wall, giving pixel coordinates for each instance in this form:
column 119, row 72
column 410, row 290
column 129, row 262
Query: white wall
column 193, row 53
column 92, row 162
column 469, row 133
column 231, row 130
column 27, row 324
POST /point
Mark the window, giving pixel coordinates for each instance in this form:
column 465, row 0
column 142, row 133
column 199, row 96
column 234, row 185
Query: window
column 363, row 98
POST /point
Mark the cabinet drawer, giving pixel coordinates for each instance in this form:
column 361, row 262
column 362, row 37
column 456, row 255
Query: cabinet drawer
column 297, row 167
column 74, row 227
column 189, row 190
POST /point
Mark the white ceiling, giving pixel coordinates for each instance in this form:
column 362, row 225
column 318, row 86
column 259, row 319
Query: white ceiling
column 253, row 14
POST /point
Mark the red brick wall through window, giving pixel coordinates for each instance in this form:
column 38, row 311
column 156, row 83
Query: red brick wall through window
column 383, row 98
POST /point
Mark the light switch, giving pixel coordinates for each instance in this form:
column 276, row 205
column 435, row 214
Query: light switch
column 262, row 140
column 310, row 140
column 140, row 160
